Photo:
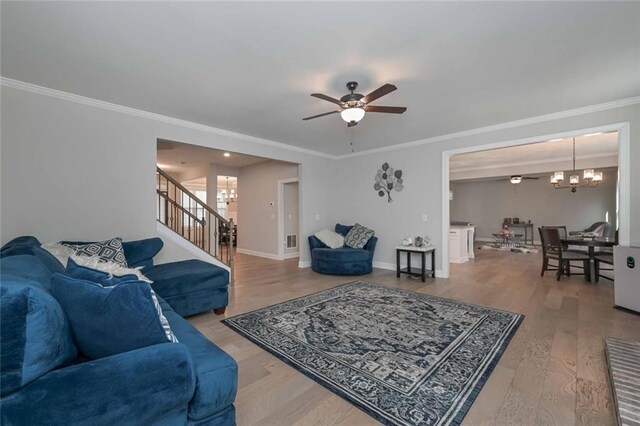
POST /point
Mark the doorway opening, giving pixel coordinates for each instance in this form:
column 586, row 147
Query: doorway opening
column 502, row 181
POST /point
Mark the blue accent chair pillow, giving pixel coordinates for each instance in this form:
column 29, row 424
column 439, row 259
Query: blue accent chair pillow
column 107, row 321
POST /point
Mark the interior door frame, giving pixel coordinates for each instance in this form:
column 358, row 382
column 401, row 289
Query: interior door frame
column 624, row 177
column 281, row 184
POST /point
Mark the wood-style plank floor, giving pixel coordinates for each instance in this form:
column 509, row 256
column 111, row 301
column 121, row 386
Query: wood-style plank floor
column 552, row 373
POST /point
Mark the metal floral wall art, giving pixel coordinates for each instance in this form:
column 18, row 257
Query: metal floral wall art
column 387, row 181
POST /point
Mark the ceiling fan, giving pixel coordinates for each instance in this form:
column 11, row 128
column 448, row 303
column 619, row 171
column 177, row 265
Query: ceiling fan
column 353, row 106
column 516, row 179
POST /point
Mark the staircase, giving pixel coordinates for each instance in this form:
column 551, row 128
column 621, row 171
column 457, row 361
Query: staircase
column 191, row 218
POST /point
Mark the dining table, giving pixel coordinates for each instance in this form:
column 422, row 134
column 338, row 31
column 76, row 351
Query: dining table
column 591, row 243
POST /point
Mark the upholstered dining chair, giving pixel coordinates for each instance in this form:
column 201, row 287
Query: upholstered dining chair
column 552, row 250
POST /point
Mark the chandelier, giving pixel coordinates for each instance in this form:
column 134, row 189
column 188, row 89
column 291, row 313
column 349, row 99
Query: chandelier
column 226, row 195
column 591, row 177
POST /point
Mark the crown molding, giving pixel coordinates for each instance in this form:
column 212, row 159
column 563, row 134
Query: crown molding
column 28, row 87
column 21, row 85
column 502, row 126
column 452, row 168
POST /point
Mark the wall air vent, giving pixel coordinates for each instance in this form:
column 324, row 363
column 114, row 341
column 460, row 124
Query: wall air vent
column 292, row 241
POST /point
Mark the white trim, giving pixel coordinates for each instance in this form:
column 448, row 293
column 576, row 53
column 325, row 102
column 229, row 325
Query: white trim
column 624, row 169
column 280, row 211
column 291, row 255
column 304, row 264
column 259, row 254
column 502, row 126
column 184, row 244
column 535, row 162
column 20, row 85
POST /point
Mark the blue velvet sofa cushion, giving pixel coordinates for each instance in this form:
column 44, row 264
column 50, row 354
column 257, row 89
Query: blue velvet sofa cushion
column 149, row 386
column 216, row 372
column 31, row 246
column 344, row 254
column 107, row 321
column 89, row 274
column 35, row 334
column 191, row 286
column 142, row 252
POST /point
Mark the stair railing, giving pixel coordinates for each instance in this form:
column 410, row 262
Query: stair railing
column 185, row 214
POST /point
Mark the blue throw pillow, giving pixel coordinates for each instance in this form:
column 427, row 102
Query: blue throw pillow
column 110, row 320
column 103, row 278
column 35, row 336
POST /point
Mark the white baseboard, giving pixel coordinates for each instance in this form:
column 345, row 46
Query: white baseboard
column 304, row 264
column 258, row 253
column 291, row 255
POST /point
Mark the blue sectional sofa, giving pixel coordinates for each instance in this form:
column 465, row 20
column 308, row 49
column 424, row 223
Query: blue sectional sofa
column 45, row 380
column 342, row 261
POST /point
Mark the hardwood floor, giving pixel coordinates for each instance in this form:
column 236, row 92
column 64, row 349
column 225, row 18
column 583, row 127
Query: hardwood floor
column 552, row 373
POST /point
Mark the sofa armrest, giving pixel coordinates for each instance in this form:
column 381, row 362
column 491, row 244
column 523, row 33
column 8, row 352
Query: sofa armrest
column 152, row 385
column 314, row 243
column 371, row 244
column 141, row 252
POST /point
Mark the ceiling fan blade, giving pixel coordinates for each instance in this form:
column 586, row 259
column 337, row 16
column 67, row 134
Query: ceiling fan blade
column 387, row 109
column 379, row 92
column 532, row 178
column 327, row 98
column 320, row 115
column 352, row 123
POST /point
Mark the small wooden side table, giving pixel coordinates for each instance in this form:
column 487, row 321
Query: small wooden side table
column 416, row 272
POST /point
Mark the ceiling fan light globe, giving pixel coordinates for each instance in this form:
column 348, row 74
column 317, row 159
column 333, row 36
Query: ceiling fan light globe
column 354, row 114
column 516, row 179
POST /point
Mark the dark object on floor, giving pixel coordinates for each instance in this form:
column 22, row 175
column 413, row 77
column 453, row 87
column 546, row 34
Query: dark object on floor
column 404, row 358
column 46, row 381
column 623, row 363
column 552, row 249
column 342, row 261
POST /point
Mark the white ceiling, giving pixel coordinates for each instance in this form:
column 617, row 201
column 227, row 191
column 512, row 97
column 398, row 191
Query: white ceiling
column 179, row 157
column 546, row 156
column 249, row 67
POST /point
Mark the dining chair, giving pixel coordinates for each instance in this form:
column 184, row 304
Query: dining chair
column 562, row 230
column 599, row 258
column 552, row 250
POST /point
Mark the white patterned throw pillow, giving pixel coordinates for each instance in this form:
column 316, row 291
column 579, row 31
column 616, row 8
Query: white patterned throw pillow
column 109, row 250
column 330, row 239
column 358, row 236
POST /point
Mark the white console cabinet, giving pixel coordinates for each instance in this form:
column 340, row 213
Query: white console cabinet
column 461, row 243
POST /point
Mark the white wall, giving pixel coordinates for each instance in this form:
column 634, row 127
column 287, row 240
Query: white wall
column 257, row 218
column 354, row 199
column 75, row 171
column 78, row 171
column 486, row 203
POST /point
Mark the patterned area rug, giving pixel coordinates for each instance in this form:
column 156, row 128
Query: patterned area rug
column 404, row 358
